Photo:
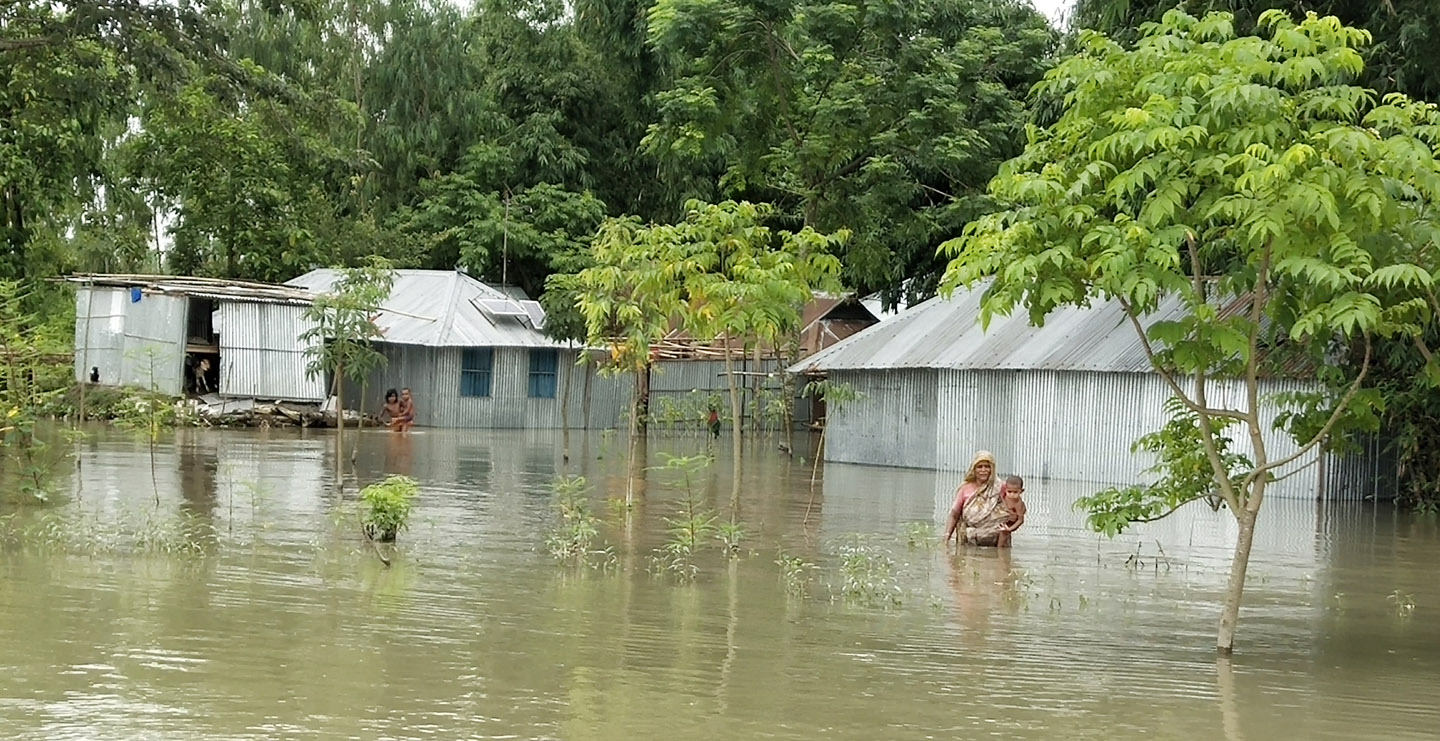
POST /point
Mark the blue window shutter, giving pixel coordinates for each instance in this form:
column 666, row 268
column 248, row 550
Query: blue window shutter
column 477, row 366
column 544, row 363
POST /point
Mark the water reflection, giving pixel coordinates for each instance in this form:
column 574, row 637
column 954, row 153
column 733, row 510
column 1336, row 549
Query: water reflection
column 282, row 625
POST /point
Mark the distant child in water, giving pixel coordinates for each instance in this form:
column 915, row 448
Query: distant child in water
column 1014, row 487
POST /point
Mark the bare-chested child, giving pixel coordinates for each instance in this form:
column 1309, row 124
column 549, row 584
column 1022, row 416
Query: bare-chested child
column 1014, row 488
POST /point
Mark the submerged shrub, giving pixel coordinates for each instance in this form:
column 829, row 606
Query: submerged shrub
column 572, row 538
column 386, row 507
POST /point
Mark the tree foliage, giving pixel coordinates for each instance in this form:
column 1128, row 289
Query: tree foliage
column 883, row 119
column 1244, row 173
column 1403, row 32
column 343, row 322
column 1398, row 60
column 721, row 272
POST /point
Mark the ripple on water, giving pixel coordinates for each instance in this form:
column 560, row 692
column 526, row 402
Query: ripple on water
column 288, row 626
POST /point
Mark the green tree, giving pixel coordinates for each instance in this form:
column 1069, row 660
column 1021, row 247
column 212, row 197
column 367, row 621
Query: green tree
column 30, row 382
column 342, row 328
column 721, row 274
column 1214, row 168
column 72, row 73
column 627, row 298
column 520, row 199
column 744, row 284
column 1399, row 59
column 884, row 119
column 53, row 98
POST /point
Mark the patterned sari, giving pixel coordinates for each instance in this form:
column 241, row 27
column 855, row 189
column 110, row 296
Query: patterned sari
column 984, row 514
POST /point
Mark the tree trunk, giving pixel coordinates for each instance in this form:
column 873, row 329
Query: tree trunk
column 734, row 387
column 642, row 399
column 757, row 384
column 339, row 426
column 231, row 262
column 787, row 393
column 585, row 403
column 359, row 426
column 1230, row 615
column 734, row 431
column 565, row 414
column 819, row 456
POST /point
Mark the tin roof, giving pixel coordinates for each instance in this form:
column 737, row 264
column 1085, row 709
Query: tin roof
column 946, row 334
column 444, row 308
column 211, row 288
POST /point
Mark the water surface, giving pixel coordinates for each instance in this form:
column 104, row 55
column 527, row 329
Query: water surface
column 244, row 605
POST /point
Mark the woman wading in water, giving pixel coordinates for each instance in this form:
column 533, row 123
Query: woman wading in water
column 981, row 516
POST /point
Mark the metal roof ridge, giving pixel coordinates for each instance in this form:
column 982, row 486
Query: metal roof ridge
column 447, row 325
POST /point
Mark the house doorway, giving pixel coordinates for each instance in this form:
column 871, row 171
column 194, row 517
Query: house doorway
column 202, row 348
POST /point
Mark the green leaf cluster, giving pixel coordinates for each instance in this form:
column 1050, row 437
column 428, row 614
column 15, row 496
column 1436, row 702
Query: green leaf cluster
column 1182, row 474
column 386, row 506
column 720, row 274
column 1243, row 185
column 339, row 340
column 882, row 119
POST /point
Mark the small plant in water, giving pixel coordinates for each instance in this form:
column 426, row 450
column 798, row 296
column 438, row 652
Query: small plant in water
column 687, row 533
column 1404, row 603
column 869, row 574
column 571, row 539
column 730, row 534
column 794, row 573
column 692, row 526
column 919, row 535
column 386, row 507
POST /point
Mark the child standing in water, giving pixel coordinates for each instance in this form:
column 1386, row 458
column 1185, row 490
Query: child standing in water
column 1014, row 487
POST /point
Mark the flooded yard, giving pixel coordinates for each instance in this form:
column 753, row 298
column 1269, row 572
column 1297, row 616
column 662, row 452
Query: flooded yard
column 222, row 590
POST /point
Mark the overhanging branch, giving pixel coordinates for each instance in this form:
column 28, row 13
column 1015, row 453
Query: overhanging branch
column 31, row 43
column 1329, row 423
column 1165, row 375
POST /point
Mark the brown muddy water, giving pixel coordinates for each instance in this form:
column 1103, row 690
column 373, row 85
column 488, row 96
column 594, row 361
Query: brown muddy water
column 246, row 606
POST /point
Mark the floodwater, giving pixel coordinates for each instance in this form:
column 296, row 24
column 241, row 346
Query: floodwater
column 244, row 605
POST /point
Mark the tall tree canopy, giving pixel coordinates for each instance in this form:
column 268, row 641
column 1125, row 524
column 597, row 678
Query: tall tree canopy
column 1399, row 59
column 1234, row 171
column 885, row 119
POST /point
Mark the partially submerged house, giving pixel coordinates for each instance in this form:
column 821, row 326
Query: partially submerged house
column 476, row 356
column 827, row 320
column 1063, row 401
column 177, row 334
column 684, row 367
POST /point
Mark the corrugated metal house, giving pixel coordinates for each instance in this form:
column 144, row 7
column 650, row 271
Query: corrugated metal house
column 153, row 332
column 1063, row 401
column 475, row 356
column 685, row 367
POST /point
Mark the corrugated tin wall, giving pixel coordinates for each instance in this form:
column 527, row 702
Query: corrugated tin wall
column 261, row 355
column 1368, row 472
column 433, row 376
column 154, row 356
column 1048, row 424
column 1045, row 424
column 100, row 333
column 892, row 423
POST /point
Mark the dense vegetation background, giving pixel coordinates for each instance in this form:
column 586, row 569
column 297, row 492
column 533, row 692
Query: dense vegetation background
column 262, row 138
